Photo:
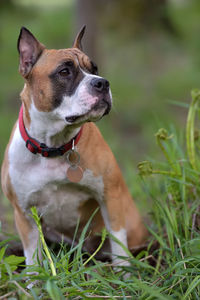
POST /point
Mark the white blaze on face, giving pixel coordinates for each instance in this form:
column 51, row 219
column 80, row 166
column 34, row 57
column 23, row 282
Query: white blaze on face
column 81, row 102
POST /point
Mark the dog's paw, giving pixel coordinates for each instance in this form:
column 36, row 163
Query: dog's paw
column 31, row 283
column 118, row 267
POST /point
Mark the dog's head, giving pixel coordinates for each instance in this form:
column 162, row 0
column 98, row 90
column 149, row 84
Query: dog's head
column 63, row 82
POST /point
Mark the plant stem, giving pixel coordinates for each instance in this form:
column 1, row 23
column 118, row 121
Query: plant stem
column 103, row 237
column 172, row 174
column 37, row 221
column 166, row 155
column 190, row 128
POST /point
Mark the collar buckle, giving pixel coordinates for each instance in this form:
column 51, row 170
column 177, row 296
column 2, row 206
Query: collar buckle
column 51, row 152
column 31, row 147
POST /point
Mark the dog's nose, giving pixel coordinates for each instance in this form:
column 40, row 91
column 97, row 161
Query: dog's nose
column 100, row 84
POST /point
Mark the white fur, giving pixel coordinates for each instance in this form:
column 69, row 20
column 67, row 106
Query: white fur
column 30, row 250
column 45, row 126
column 117, row 249
column 43, row 182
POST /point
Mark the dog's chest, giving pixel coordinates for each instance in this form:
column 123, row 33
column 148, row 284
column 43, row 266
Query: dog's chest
column 43, row 183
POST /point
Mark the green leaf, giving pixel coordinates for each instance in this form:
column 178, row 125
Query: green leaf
column 53, row 290
column 9, row 270
column 14, row 260
column 192, row 286
column 2, row 252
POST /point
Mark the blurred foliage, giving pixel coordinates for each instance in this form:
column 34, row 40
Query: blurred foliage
column 140, row 16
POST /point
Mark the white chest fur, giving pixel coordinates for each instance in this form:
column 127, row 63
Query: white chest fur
column 42, row 182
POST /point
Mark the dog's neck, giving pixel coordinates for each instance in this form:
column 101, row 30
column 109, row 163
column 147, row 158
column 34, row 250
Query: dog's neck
column 46, row 128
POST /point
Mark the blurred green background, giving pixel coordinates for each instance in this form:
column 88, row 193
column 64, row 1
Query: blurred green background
column 149, row 50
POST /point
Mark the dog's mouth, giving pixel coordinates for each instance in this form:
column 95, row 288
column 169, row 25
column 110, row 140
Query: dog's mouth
column 103, row 104
column 72, row 119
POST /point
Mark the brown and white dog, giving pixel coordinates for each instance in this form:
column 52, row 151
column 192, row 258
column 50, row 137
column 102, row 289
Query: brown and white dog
column 61, row 98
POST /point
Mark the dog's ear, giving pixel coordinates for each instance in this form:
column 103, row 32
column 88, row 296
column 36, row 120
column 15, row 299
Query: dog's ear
column 29, row 50
column 77, row 41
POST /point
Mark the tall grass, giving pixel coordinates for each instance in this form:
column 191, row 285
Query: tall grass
column 167, row 268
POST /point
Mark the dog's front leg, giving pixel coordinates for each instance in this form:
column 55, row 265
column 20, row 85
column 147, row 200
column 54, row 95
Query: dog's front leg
column 29, row 236
column 114, row 220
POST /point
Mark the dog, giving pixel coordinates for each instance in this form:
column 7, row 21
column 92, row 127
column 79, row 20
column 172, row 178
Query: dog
column 57, row 159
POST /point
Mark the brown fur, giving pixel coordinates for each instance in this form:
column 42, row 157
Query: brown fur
column 101, row 161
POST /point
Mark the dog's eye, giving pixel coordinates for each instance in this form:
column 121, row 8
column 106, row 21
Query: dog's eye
column 94, row 68
column 64, row 72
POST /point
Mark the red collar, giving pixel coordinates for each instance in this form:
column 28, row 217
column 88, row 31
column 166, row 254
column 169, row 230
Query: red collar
column 36, row 147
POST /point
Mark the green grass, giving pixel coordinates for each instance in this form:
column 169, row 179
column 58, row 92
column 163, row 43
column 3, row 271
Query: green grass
column 169, row 270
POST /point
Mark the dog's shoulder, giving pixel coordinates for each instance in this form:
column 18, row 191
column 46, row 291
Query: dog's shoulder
column 95, row 152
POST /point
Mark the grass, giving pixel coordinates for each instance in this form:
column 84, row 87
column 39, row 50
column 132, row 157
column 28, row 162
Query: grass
column 169, row 270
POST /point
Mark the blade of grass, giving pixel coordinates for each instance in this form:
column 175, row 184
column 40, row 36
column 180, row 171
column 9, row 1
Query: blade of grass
column 37, row 221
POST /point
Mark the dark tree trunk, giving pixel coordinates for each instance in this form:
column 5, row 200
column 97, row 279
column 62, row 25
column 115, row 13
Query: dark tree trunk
column 87, row 14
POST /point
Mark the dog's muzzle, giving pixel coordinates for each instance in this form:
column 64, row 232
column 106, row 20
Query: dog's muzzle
column 99, row 88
